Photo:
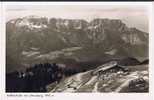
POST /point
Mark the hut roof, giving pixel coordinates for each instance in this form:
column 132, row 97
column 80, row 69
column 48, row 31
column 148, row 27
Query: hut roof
column 106, row 66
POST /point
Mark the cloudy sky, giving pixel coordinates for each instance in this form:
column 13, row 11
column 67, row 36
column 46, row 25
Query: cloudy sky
column 133, row 16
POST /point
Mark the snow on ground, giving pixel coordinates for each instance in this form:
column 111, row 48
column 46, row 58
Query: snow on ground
column 92, row 80
column 69, row 90
column 145, row 72
column 95, row 87
column 124, row 84
column 115, row 83
column 72, row 83
column 132, row 76
column 79, row 77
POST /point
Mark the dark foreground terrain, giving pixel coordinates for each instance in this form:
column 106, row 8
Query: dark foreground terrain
column 112, row 76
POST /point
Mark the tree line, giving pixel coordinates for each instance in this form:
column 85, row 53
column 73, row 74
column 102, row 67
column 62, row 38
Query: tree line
column 36, row 78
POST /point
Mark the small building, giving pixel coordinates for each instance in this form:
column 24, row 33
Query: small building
column 109, row 67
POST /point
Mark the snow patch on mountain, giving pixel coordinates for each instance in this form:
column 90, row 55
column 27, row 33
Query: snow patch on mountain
column 132, row 39
column 33, row 48
column 12, row 21
column 71, row 49
column 26, row 22
column 111, row 52
column 51, row 55
column 66, row 23
column 30, row 53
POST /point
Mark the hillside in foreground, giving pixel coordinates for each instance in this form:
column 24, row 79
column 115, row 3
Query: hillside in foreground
column 134, row 79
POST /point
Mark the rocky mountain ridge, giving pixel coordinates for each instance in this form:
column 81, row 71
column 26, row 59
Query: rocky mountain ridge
column 38, row 38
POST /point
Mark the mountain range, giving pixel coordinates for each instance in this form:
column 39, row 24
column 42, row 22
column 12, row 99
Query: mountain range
column 33, row 39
